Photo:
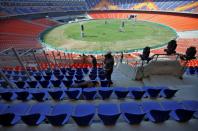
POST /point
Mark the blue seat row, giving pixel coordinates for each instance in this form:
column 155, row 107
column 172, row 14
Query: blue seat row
column 86, row 93
column 83, row 114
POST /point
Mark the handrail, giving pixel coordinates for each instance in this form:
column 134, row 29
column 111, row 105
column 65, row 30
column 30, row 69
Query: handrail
column 2, row 52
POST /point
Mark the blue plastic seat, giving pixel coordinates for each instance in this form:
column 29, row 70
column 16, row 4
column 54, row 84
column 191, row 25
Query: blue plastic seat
column 152, row 92
column 56, row 83
column 56, row 94
column 12, row 114
column 155, row 112
column 85, row 70
column 79, row 77
column 132, row 112
column 15, row 77
column 69, row 77
column 178, row 112
column 71, row 73
column 3, row 107
column 40, row 94
column 67, row 83
column 32, row 84
column 89, row 93
column 36, row 114
column 45, row 84
column 92, row 76
column 136, row 92
column 74, row 93
column 20, row 84
column 38, row 77
column 191, row 105
column 47, row 77
column 167, row 93
column 23, row 94
column 8, row 95
column 83, row 114
column 105, row 92
column 60, row 77
column 108, row 113
column 102, row 76
column 63, row 70
column 104, row 83
column 121, row 92
column 60, row 114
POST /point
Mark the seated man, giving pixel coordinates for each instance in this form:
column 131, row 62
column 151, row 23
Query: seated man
column 190, row 54
column 145, row 55
column 171, row 47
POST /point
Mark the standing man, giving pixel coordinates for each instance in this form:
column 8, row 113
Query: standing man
column 108, row 66
column 121, row 57
column 94, row 61
column 82, row 31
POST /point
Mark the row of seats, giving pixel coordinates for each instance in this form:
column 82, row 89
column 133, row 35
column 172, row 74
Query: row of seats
column 32, row 7
column 83, row 114
column 87, row 93
column 180, row 23
column 192, row 70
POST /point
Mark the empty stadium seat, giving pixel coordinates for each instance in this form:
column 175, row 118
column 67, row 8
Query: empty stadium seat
column 12, row 114
column 178, row 112
column 132, row 112
column 83, row 114
column 108, row 113
column 60, row 114
column 154, row 112
column 36, row 115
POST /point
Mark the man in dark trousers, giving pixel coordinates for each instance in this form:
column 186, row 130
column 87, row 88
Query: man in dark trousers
column 108, row 66
column 94, row 61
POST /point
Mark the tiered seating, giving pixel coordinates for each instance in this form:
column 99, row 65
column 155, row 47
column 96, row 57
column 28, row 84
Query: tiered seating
column 183, row 5
column 31, row 6
column 45, row 21
column 12, row 40
column 22, row 34
column 180, row 23
column 16, row 26
column 57, row 90
column 182, row 45
column 84, row 114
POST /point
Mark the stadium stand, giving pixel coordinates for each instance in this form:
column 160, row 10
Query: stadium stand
column 180, row 23
column 45, row 21
column 36, row 84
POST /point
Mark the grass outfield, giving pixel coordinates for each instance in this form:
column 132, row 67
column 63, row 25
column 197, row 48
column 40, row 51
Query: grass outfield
column 101, row 36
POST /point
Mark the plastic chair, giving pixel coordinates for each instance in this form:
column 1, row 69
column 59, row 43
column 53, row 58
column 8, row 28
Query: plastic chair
column 83, row 114
column 108, row 113
column 12, row 114
column 60, row 114
column 105, row 92
column 36, row 114
column 178, row 112
column 121, row 92
column 89, row 93
column 191, row 105
column 136, row 92
column 132, row 112
column 74, row 93
column 155, row 112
